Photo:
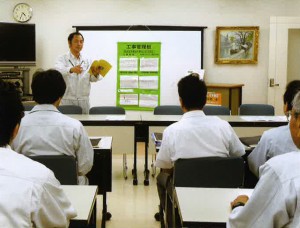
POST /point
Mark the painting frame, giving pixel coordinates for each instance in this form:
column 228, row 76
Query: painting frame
column 236, row 44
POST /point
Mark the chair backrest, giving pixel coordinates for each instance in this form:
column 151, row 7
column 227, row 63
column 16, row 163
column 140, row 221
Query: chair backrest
column 216, row 110
column 70, row 109
column 64, row 167
column 209, row 172
column 111, row 110
column 257, row 110
column 168, row 110
column 28, row 107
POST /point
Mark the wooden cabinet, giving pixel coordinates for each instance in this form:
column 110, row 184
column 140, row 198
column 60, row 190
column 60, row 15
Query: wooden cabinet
column 231, row 95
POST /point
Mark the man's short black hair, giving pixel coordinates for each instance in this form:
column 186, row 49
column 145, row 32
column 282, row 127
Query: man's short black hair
column 192, row 92
column 48, row 86
column 11, row 111
column 291, row 90
column 71, row 36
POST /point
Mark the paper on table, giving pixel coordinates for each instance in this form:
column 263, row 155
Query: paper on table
column 264, row 118
column 115, row 117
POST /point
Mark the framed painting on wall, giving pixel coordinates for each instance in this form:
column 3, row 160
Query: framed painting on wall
column 236, row 45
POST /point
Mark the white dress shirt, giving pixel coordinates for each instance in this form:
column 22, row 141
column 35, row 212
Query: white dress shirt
column 78, row 85
column 197, row 135
column 30, row 196
column 275, row 201
column 46, row 131
column 273, row 142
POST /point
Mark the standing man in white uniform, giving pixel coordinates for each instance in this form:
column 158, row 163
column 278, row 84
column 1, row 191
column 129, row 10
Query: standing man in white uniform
column 75, row 69
column 278, row 140
column 275, row 199
column 46, row 131
column 195, row 135
column 30, row 195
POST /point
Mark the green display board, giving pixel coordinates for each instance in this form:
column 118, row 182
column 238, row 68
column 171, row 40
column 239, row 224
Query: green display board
column 138, row 75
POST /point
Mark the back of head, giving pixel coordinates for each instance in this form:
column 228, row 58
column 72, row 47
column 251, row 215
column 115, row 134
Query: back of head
column 296, row 103
column 48, row 86
column 192, row 92
column 291, row 90
column 11, row 111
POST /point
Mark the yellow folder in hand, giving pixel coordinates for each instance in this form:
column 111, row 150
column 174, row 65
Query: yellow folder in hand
column 103, row 64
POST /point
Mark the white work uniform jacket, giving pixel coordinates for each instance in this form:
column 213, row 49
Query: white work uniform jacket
column 78, row 85
column 197, row 135
column 30, row 195
column 273, row 142
column 275, row 199
column 46, row 131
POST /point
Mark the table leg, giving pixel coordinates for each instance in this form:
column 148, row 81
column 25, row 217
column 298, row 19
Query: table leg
column 134, row 170
column 146, row 171
column 105, row 214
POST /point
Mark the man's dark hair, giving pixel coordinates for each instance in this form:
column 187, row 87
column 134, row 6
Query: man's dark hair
column 71, row 36
column 47, row 86
column 192, row 92
column 11, row 111
column 291, row 90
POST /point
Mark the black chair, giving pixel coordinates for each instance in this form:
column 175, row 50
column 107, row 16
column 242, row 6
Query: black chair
column 212, row 110
column 214, row 172
column 64, row 167
column 28, row 107
column 257, row 110
column 70, row 109
column 168, row 110
column 207, row 172
column 109, row 110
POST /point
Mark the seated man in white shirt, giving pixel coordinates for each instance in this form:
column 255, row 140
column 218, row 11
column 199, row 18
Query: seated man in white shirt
column 275, row 199
column 30, row 195
column 46, row 131
column 195, row 135
column 278, row 140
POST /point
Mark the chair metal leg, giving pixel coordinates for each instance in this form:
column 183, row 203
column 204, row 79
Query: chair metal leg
column 153, row 166
column 125, row 167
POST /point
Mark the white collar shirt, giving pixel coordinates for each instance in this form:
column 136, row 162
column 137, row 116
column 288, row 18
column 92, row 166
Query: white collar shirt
column 273, row 142
column 30, row 194
column 46, row 131
column 198, row 135
column 275, row 199
column 78, row 85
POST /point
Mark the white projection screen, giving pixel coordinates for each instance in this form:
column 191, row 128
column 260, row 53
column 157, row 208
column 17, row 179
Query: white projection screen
column 181, row 51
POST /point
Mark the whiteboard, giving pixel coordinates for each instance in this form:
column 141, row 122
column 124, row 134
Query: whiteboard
column 181, row 51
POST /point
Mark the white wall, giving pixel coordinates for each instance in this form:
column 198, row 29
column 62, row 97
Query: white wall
column 54, row 20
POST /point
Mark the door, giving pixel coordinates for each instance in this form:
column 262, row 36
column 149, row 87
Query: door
column 281, row 64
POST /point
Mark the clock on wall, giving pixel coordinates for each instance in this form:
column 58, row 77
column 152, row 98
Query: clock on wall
column 22, row 12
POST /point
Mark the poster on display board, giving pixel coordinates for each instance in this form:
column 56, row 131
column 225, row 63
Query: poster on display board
column 138, row 75
column 181, row 50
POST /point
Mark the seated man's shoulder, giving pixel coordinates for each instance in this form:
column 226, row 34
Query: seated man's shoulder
column 277, row 135
column 27, row 169
column 70, row 121
column 286, row 163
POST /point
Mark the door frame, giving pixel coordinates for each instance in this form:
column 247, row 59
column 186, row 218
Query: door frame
column 278, row 57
